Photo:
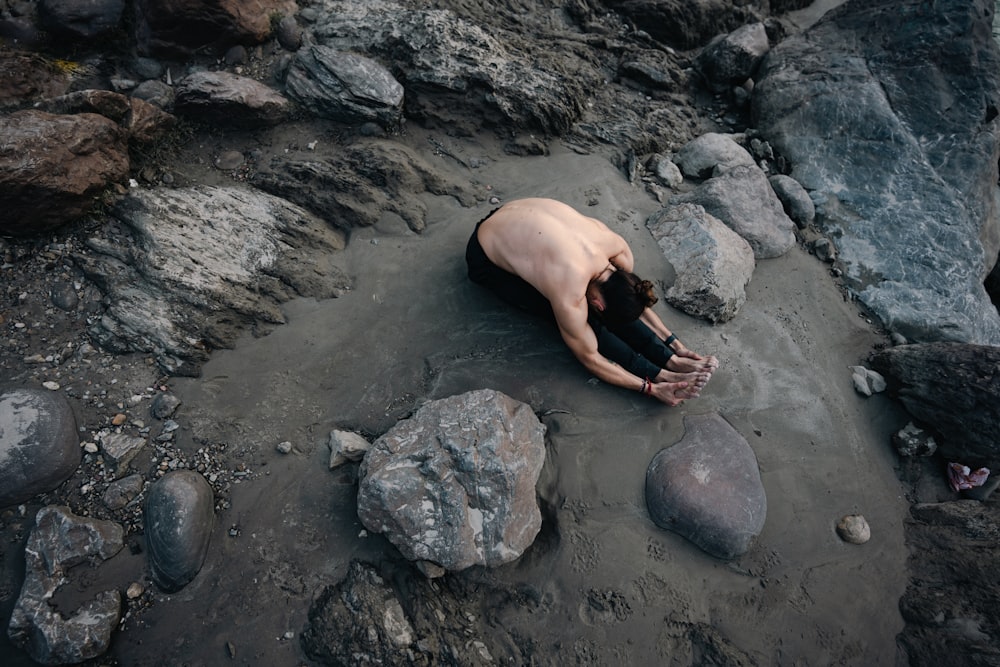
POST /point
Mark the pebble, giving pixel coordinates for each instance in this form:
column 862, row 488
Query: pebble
column 118, row 419
column 284, row 447
column 50, row 385
column 135, row 589
column 229, row 160
column 854, row 528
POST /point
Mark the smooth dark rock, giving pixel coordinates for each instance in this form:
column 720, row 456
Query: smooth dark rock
column 164, row 405
column 84, row 19
column 289, row 34
column 707, row 488
column 952, row 389
column 39, row 443
column 178, row 515
column 732, row 59
column 155, row 92
column 64, row 297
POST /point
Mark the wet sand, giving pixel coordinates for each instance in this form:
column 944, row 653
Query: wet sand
column 415, row 329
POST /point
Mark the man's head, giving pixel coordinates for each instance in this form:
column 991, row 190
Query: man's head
column 624, row 296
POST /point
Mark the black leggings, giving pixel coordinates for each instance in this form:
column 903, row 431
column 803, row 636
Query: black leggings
column 633, row 346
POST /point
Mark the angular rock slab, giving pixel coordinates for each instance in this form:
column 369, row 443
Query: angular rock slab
column 344, row 86
column 954, row 389
column 455, row 483
column 713, row 263
column 707, row 488
column 178, row 516
column 230, row 98
column 39, row 443
column 60, row 540
column 187, row 270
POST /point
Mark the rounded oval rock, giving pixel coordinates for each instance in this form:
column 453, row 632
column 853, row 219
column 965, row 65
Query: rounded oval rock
column 179, row 516
column 854, row 528
column 39, row 445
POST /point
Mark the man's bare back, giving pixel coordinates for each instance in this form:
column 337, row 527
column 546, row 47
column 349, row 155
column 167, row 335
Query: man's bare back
column 567, row 256
column 552, row 246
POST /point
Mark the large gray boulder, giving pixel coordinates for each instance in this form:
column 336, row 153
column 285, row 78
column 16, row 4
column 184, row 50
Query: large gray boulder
column 437, row 53
column 953, row 389
column 39, row 443
column 59, row 541
column 454, row 485
column 178, row 516
column 189, row 269
column 730, row 60
column 887, row 113
column 344, row 86
column 742, row 198
column 713, row 263
column 710, row 154
column 707, row 488
column 54, row 167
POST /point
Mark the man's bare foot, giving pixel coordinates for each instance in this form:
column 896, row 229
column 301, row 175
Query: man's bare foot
column 671, row 393
column 694, row 381
column 682, row 364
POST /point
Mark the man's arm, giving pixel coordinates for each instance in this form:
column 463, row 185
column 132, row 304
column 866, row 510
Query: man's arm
column 653, row 321
column 582, row 342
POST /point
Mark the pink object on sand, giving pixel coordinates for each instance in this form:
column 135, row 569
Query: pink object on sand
column 961, row 477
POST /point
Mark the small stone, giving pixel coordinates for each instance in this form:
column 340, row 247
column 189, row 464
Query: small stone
column 90, row 447
column 854, row 529
column 135, row 590
column 912, row 440
column 346, row 446
column 119, row 419
column 51, row 386
column 229, row 160
column 284, row 447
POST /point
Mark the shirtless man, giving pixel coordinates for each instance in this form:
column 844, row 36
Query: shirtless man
column 545, row 257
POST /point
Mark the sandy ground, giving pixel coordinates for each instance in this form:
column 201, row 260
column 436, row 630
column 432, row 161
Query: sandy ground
column 415, row 329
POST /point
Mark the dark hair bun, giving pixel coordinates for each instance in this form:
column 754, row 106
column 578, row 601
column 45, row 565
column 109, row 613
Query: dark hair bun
column 644, row 290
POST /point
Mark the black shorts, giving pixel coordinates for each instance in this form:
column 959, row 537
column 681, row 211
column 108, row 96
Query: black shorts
column 511, row 288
